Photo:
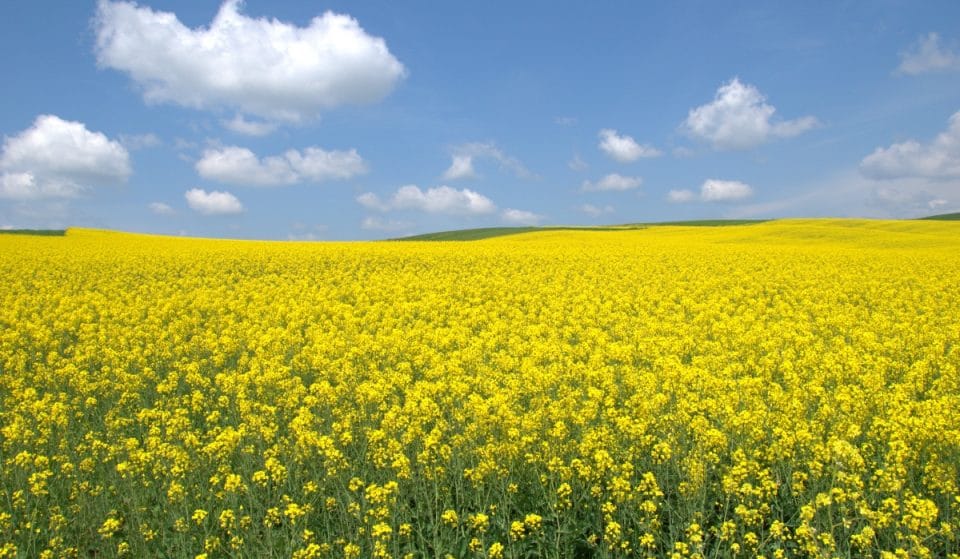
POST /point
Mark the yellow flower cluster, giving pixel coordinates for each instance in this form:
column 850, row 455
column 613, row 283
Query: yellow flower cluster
column 786, row 389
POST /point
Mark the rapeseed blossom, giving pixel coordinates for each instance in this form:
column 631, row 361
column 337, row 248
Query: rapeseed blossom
column 786, row 389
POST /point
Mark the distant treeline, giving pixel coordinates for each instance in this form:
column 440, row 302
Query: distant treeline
column 43, row 232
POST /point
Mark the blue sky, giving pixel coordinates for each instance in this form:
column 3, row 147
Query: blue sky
column 365, row 120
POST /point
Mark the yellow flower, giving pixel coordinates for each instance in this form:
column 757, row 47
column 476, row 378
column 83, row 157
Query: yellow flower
column 449, row 517
column 517, row 530
column 109, row 527
column 198, row 516
column 351, row 551
column 479, row 522
column 381, row 530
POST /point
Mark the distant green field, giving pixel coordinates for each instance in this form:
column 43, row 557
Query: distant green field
column 490, row 232
column 708, row 222
column 944, row 217
column 42, row 232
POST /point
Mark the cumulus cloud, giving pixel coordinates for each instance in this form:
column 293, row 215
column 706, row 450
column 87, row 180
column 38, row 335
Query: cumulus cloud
column 241, row 125
column 260, row 66
column 464, row 155
column 57, row 158
column 236, row 165
column 623, row 148
column 520, row 217
column 739, row 118
column 939, row 159
column 160, row 208
column 713, row 190
column 26, row 186
column 612, row 182
column 438, row 200
column 213, row 203
column 928, row 55
column 596, row 211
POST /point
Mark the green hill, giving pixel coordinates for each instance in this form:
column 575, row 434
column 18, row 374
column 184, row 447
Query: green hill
column 490, row 232
column 944, row 217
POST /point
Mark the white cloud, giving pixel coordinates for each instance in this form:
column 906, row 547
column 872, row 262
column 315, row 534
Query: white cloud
column 371, row 223
column 906, row 201
column 940, row 159
column 596, row 211
column 241, row 125
column 740, row 118
column 260, row 66
column 304, row 232
column 520, row 217
column 849, row 194
column 577, row 164
column 139, row 141
column 612, row 182
column 460, row 168
column 57, row 158
column 438, row 200
column 680, row 196
column 371, row 201
column 713, row 190
column 464, row 155
column 624, row 148
column 927, row 55
column 304, row 237
column 236, row 165
column 160, row 208
column 26, row 186
column 442, row 199
column 213, row 203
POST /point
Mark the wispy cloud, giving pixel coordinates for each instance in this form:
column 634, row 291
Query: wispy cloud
column 520, row 217
column 464, row 156
column 612, row 182
column 712, row 190
column 928, row 55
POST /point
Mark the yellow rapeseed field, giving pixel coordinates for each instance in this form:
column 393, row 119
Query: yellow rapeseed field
column 785, row 389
